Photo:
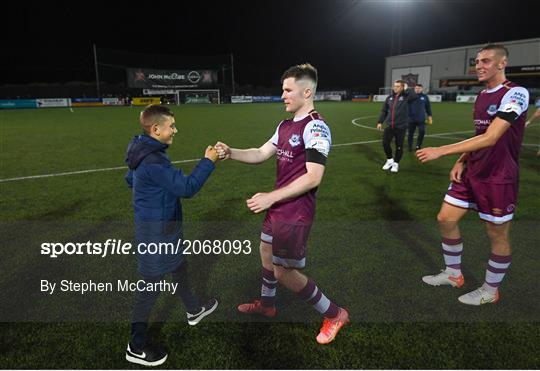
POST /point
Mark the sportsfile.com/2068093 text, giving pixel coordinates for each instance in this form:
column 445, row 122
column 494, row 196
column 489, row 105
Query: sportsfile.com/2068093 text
column 117, row 247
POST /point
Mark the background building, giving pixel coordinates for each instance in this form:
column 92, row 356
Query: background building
column 452, row 71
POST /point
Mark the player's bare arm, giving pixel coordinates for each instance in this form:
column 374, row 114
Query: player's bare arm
column 248, row 156
column 263, row 201
column 495, row 130
column 533, row 118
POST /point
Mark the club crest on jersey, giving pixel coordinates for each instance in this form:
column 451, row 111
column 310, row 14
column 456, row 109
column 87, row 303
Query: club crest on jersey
column 295, row 140
column 492, row 109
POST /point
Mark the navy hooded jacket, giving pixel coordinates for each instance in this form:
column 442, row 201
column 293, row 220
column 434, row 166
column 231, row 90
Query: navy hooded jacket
column 419, row 107
column 157, row 188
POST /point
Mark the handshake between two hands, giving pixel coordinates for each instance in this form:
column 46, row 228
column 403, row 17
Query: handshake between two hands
column 259, row 201
column 218, row 152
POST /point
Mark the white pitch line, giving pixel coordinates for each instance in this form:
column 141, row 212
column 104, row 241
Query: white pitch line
column 440, row 136
column 81, row 172
column 354, row 122
column 453, row 132
column 436, row 136
column 353, row 143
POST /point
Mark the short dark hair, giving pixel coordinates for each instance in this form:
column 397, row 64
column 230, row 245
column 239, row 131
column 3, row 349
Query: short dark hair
column 420, row 85
column 498, row 48
column 154, row 113
column 400, row 82
column 301, row 71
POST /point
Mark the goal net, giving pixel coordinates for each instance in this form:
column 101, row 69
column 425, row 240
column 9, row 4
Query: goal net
column 190, row 96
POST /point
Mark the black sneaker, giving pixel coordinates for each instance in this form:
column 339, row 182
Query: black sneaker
column 196, row 317
column 418, row 147
column 148, row 356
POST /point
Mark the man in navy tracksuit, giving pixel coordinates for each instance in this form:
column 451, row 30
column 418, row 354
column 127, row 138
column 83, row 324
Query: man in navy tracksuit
column 157, row 188
column 417, row 110
column 395, row 113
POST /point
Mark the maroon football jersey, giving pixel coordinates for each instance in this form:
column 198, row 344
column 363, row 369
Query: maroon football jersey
column 291, row 139
column 499, row 164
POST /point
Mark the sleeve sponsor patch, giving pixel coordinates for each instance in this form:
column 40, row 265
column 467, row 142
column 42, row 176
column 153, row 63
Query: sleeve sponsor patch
column 319, row 130
column 317, row 136
column 511, row 107
column 516, row 100
column 321, row 145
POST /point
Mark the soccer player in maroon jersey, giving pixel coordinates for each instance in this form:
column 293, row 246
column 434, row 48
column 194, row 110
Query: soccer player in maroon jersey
column 485, row 177
column 301, row 145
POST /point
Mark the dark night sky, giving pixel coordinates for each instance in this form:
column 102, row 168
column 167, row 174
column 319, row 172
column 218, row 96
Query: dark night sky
column 346, row 40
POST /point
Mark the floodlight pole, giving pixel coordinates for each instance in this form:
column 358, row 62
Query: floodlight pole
column 97, row 72
column 397, row 25
column 400, row 26
column 232, row 72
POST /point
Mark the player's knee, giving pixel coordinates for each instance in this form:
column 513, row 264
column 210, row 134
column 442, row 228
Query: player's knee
column 442, row 218
column 497, row 234
column 446, row 222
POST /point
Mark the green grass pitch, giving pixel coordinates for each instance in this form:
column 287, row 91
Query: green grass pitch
column 374, row 236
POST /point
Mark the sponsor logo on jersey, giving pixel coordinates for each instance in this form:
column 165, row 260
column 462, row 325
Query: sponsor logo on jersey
column 480, row 124
column 294, row 140
column 284, row 153
column 492, row 109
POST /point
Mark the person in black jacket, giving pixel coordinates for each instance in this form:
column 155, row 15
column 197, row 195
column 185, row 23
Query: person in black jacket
column 395, row 113
column 418, row 109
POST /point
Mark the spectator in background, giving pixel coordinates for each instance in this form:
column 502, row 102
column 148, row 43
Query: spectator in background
column 395, row 113
column 418, row 109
